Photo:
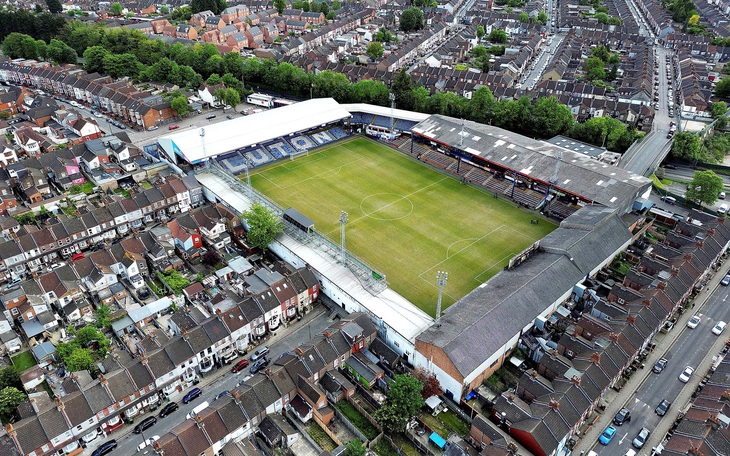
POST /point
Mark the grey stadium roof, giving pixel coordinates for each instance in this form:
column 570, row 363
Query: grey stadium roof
column 483, row 321
column 578, row 174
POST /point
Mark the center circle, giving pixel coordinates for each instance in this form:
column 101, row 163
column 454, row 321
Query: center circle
column 386, row 206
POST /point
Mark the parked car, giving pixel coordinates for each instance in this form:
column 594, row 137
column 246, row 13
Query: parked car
column 662, row 408
column 153, row 128
column 240, row 366
column 686, row 374
column 725, row 280
column 169, row 408
column 210, row 116
column 105, row 448
column 719, row 327
column 148, row 442
column 623, row 416
column 145, row 424
column 192, row 394
column 641, row 437
column 607, row 435
column 260, row 353
column 693, row 322
column 173, row 127
column 221, row 394
column 260, row 364
column 659, row 366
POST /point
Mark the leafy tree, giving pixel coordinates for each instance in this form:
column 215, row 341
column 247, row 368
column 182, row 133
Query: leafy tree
column 263, row 225
column 611, row 76
column 336, row 5
column 602, row 18
column 716, row 146
column 94, row 58
column 370, row 91
column 211, row 258
column 374, row 50
column 614, row 21
column 498, row 36
column 119, row 65
column 411, row 20
column 175, row 280
column 383, row 35
column 550, row 117
column 542, row 17
column 355, row 448
column 89, row 336
column 686, row 146
column 403, row 401
column 280, row 5
column 101, row 317
column 524, row 17
column 179, row 105
column 594, row 69
column 480, row 32
column 54, row 6
column 704, row 187
column 718, row 109
column 79, row 359
column 722, row 89
column 682, row 10
column 9, row 376
column 402, row 88
column 183, row 13
column 10, row 399
column 25, row 219
column 164, row 10
column 481, row 105
column 60, row 53
column 232, row 98
column 324, row 8
column 431, row 384
column 116, row 9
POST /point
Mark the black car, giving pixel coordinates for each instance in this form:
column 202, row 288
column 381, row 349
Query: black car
column 662, row 408
column 145, row 424
column 260, row 364
column 210, row 116
column 192, row 394
column 623, row 416
column 105, row 448
column 169, row 408
column 659, row 366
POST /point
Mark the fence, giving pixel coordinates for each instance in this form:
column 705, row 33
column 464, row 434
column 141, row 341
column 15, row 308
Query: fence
column 326, row 430
column 344, row 420
column 364, row 413
column 369, row 277
column 304, row 432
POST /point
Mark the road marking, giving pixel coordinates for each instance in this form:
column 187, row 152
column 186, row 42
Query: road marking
column 723, row 299
column 622, row 439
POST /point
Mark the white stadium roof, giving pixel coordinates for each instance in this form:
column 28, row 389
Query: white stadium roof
column 246, row 131
column 385, row 112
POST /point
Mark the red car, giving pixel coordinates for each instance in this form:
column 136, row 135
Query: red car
column 240, row 366
column 173, row 127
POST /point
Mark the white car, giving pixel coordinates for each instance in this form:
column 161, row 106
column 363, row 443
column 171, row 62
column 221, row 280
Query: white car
column 147, row 442
column 719, row 328
column 693, row 322
column 686, row 374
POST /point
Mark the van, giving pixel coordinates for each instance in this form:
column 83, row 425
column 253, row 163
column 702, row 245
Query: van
column 199, row 408
column 723, row 209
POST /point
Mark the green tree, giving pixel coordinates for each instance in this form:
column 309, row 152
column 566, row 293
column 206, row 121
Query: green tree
column 10, row 399
column 60, row 53
column 602, row 18
column 79, row 359
column 355, row 448
column 232, row 98
column 263, row 226
column 94, row 59
column 374, row 50
column 324, row 8
column 481, row 105
column 336, row 5
column 722, row 89
column 550, row 117
column 411, row 20
column 54, row 6
column 498, row 36
column 383, row 35
column 704, row 187
column 611, row 76
column 718, row 109
column 686, row 146
column 402, row 88
column 542, row 17
column 524, row 17
column 9, row 376
column 403, row 401
column 682, row 10
column 594, row 69
column 116, row 9
column 179, row 105
column 280, row 5
column 89, row 336
column 175, row 280
column 183, row 13
column 101, row 317
column 614, row 21
column 480, row 32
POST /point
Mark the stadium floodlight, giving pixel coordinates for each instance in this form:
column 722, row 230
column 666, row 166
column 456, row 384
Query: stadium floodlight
column 205, row 154
column 343, row 252
column 441, row 278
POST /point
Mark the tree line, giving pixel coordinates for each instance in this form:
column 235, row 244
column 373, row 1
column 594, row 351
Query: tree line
column 131, row 53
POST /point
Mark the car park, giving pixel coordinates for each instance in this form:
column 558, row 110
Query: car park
column 145, row 424
column 662, row 408
column 693, row 322
column 720, row 326
column 105, row 448
column 659, row 366
column 641, row 437
column 240, row 366
column 192, row 394
column 686, row 374
column 607, row 435
column 168, row 409
column 623, row 416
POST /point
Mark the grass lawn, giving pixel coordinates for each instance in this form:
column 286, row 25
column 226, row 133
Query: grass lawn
column 405, row 219
column 456, row 424
column 435, row 424
column 145, row 185
column 357, row 419
column 23, row 361
column 323, row 440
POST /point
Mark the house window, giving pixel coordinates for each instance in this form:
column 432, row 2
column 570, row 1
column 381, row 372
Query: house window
column 14, row 311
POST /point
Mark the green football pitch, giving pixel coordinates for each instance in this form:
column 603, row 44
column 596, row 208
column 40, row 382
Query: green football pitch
column 405, row 219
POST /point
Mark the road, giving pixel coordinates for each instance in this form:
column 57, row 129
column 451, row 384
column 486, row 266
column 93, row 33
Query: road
column 644, row 29
column 215, row 382
column 533, row 75
column 644, row 157
column 689, row 349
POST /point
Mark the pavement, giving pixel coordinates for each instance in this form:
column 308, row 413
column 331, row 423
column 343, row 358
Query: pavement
column 615, row 400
